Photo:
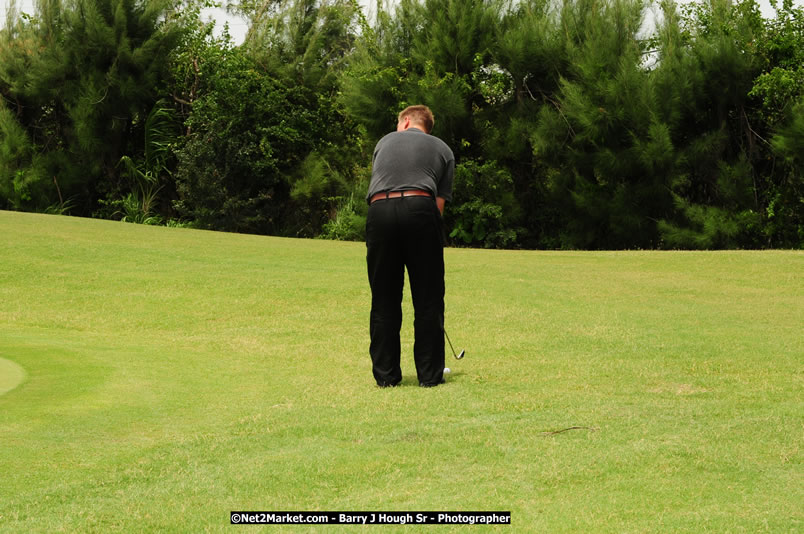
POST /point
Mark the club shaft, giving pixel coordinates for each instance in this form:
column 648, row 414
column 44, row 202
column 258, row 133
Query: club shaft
column 450, row 343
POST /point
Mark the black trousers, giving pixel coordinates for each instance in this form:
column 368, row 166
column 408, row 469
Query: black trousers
column 407, row 233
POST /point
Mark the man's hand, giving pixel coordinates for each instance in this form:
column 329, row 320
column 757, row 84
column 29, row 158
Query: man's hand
column 440, row 203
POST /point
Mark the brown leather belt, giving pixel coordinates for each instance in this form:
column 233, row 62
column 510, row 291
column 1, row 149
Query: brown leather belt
column 399, row 194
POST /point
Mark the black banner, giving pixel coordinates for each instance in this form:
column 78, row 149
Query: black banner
column 370, row 518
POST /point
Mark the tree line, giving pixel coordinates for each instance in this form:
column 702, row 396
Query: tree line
column 578, row 124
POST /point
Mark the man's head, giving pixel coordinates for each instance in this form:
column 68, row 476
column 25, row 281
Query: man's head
column 415, row 116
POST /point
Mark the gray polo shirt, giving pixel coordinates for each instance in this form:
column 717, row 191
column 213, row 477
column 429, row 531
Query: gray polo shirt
column 412, row 159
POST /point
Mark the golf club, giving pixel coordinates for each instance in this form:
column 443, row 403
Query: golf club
column 457, row 356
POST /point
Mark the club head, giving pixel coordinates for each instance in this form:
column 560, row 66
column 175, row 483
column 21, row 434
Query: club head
column 460, row 355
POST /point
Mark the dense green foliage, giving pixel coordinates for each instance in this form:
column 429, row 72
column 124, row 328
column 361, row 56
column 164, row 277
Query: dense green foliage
column 78, row 82
column 575, row 124
column 266, row 149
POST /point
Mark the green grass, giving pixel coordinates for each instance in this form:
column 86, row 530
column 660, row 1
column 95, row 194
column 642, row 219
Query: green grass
column 170, row 376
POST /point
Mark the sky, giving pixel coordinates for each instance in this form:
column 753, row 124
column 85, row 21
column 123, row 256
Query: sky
column 238, row 27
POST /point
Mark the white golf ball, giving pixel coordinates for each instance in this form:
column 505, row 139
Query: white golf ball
column 446, row 370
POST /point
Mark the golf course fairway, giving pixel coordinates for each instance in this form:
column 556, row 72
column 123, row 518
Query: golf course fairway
column 157, row 379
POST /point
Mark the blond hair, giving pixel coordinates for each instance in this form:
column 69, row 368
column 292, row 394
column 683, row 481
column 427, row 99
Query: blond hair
column 419, row 115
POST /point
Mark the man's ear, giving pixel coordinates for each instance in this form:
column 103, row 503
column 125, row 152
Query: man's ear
column 404, row 124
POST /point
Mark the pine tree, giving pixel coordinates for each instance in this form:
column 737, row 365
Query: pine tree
column 709, row 78
column 786, row 207
column 439, row 53
column 82, row 76
column 605, row 146
column 301, row 40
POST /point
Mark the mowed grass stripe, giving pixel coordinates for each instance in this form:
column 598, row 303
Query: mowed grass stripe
column 174, row 375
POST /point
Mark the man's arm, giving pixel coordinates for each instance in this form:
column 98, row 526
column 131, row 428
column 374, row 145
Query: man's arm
column 440, row 203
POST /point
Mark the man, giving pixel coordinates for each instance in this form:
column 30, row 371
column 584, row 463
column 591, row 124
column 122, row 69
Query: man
column 411, row 180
